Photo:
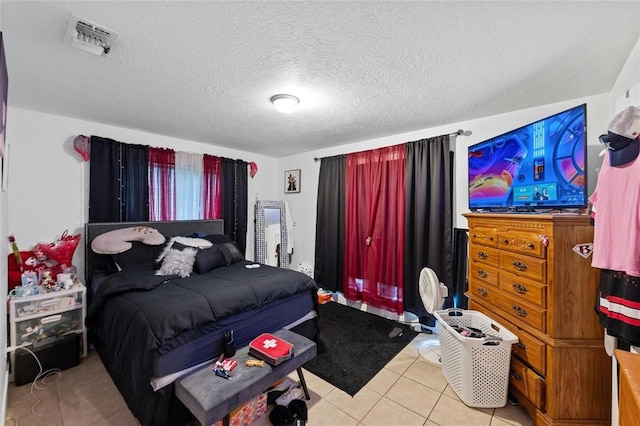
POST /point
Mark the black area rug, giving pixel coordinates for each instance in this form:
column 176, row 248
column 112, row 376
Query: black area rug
column 354, row 346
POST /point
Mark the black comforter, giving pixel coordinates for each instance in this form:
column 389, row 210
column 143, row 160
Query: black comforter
column 136, row 315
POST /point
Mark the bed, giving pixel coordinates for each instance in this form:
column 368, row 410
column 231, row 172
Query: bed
column 150, row 329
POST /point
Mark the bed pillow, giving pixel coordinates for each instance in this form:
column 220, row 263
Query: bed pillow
column 218, row 238
column 230, row 252
column 119, row 240
column 227, row 247
column 185, row 241
column 178, row 262
column 138, row 254
column 209, row 259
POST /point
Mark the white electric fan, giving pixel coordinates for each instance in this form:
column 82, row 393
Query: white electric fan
column 432, row 293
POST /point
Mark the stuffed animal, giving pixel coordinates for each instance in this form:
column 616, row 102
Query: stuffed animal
column 29, row 263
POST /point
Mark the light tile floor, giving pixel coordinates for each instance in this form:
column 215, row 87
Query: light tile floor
column 408, row 391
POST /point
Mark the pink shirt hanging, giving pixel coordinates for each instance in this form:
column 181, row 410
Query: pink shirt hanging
column 616, row 242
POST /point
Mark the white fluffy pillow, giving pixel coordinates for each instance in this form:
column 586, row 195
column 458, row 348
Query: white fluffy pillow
column 178, row 262
column 187, row 241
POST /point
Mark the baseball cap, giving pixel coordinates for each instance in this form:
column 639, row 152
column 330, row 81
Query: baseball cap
column 622, row 138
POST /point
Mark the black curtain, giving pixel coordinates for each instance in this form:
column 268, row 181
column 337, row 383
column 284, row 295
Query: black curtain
column 104, row 180
column 234, row 200
column 428, row 222
column 135, row 159
column 460, row 276
column 330, row 220
column 118, row 181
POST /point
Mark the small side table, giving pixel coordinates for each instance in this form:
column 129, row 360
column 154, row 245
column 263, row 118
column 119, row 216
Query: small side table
column 37, row 320
column 211, row 398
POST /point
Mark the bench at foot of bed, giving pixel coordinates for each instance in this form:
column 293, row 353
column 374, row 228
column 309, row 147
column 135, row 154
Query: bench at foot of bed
column 211, row 398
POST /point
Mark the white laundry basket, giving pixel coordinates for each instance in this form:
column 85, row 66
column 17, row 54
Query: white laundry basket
column 476, row 368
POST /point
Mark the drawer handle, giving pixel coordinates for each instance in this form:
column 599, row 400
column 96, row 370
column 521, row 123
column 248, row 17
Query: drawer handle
column 483, row 274
column 520, row 266
column 505, row 241
column 515, row 375
column 521, row 345
column 474, row 235
column 490, row 238
column 50, row 319
column 483, row 255
column 483, row 292
column 518, row 310
column 519, row 288
column 531, row 246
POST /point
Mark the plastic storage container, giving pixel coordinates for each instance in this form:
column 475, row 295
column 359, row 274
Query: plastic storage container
column 476, row 368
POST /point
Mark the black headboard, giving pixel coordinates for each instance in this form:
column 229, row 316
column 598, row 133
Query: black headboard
column 94, row 261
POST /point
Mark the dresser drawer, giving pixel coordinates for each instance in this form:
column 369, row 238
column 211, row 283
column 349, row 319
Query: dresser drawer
column 528, row 243
column 524, row 289
column 46, row 304
column 484, row 273
column 530, row 350
column 485, row 236
column 527, row 382
column 524, row 266
column 525, row 312
column 484, row 292
column 483, row 254
column 38, row 329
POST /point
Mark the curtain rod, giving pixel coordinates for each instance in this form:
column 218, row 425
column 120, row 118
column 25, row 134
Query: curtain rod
column 458, row 132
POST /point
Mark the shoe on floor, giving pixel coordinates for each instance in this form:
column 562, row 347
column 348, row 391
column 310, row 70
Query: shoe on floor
column 294, row 392
column 281, row 416
column 298, row 410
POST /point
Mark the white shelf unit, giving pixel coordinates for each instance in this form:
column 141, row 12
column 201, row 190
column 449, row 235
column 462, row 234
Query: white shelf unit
column 37, row 320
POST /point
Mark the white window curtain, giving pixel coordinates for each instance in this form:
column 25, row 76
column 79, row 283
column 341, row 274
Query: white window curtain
column 189, row 186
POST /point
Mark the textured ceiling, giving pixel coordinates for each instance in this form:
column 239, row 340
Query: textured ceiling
column 205, row 71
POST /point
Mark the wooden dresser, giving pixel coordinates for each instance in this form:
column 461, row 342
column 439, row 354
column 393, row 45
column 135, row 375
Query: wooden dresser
column 629, row 401
column 525, row 273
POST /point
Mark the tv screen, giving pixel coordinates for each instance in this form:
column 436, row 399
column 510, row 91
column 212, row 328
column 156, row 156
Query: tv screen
column 538, row 166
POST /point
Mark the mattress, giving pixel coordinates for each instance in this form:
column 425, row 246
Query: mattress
column 245, row 326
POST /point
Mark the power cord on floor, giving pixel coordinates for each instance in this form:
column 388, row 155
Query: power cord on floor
column 43, row 376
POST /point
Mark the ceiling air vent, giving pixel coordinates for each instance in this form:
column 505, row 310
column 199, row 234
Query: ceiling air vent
column 89, row 36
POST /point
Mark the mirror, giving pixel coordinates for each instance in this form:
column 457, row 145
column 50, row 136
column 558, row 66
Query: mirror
column 271, row 234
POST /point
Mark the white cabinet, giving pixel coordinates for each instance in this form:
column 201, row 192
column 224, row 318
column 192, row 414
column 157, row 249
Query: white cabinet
column 38, row 320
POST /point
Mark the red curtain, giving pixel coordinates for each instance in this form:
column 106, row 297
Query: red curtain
column 162, row 194
column 375, row 226
column 212, row 198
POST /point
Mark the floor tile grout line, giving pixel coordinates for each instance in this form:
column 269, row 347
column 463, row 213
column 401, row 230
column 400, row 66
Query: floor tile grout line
column 368, row 411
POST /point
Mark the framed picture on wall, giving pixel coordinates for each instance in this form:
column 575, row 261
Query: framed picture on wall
column 292, row 181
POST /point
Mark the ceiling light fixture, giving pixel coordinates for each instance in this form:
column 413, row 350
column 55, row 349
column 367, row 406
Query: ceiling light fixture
column 285, row 103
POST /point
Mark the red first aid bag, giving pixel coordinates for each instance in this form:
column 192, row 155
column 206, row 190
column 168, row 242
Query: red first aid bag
column 270, row 348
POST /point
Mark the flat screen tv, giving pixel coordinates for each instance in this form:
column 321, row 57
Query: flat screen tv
column 540, row 166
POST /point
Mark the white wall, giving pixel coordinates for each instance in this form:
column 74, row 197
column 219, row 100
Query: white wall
column 49, row 180
column 626, row 89
column 303, row 204
column 4, row 251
